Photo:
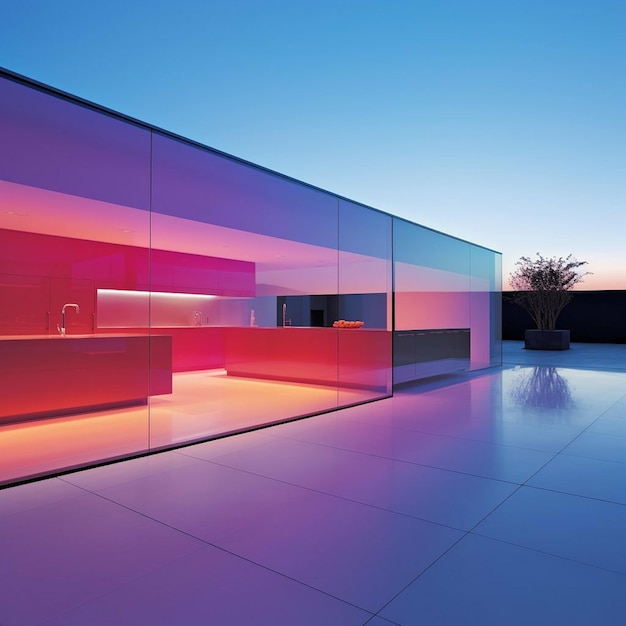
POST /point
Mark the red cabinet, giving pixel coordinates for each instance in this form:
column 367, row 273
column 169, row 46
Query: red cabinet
column 49, row 376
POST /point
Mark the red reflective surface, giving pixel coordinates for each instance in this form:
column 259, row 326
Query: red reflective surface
column 48, row 376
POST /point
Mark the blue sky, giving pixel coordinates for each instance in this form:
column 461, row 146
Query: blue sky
column 499, row 121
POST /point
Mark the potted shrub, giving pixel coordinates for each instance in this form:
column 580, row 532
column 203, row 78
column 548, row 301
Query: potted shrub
column 543, row 288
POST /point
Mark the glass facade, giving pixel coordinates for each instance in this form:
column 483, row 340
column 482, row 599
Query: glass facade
column 447, row 304
column 154, row 292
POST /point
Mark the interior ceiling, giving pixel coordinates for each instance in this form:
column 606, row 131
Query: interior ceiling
column 36, row 210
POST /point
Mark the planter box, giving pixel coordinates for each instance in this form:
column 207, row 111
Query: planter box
column 546, row 339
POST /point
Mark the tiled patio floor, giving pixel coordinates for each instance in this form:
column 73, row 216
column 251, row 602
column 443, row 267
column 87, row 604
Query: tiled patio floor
column 495, row 498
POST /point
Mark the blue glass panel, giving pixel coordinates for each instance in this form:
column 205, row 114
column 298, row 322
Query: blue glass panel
column 431, row 303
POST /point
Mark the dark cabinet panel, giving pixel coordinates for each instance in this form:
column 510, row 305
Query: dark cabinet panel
column 422, row 353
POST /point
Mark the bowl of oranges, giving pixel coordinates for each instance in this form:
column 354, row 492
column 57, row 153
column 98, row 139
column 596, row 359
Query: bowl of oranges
column 347, row 324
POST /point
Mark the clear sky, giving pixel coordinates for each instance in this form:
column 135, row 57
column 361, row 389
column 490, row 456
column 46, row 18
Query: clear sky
column 502, row 122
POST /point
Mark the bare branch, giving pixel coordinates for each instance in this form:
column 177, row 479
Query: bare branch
column 542, row 286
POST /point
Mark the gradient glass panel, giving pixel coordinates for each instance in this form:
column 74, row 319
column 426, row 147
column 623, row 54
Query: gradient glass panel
column 486, row 308
column 74, row 193
column 496, row 307
column 432, row 302
column 206, row 187
column 364, row 303
column 238, row 256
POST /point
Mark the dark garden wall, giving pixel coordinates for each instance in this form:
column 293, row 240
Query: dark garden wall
column 591, row 316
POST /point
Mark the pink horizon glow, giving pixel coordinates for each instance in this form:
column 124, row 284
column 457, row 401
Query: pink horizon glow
column 613, row 281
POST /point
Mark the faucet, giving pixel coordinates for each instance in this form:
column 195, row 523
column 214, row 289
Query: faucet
column 62, row 328
column 285, row 314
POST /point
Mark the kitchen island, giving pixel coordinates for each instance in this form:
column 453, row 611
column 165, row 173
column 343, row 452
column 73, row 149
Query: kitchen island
column 50, row 375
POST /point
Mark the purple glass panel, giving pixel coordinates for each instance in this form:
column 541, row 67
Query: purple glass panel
column 74, row 194
column 50, row 143
column 202, row 186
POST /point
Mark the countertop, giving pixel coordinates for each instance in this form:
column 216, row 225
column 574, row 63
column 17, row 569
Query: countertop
column 97, row 336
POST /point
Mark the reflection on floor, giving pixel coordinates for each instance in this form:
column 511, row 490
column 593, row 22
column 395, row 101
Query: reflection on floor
column 209, row 403
column 492, row 498
column 203, row 404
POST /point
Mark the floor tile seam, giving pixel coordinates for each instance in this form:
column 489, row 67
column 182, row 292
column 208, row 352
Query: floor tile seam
column 416, row 578
column 584, row 430
column 412, row 431
column 216, row 546
column 413, row 463
column 599, row 430
column 472, row 532
column 33, row 509
column 66, row 478
column 205, row 543
column 554, row 456
column 385, row 619
column 341, row 498
column 593, row 458
column 114, row 583
column 465, row 534
column 550, row 554
column 140, row 514
column 615, row 404
column 403, row 461
column 62, row 473
column 457, row 438
column 575, row 495
column 284, row 482
column 620, row 418
column 476, row 440
column 555, row 428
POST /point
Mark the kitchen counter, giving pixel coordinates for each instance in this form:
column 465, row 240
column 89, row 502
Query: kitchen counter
column 66, row 337
column 49, row 375
column 358, row 358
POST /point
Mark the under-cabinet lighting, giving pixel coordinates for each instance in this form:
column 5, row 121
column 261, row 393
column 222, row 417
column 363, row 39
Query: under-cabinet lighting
column 161, row 294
